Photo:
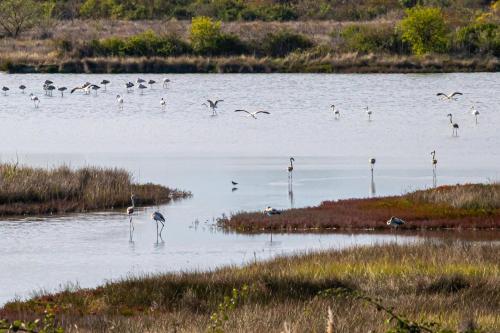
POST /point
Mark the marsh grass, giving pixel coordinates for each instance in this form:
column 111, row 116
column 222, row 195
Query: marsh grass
column 471, row 206
column 28, row 191
column 450, row 283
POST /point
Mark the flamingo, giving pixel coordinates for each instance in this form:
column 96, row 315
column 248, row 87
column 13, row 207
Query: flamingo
column 474, row 112
column 129, row 85
column 158, row 218
column 139, row 81
column 336, row 112
column 213, row 105
column 252, row 114
column 290, row 169
column 104, row 83
column 163, row 103
column 434, row 165
column 434, row 161
column 95, row 87
column 165, row 82
column 22, row 87
column 453, row 125
column 50, row 88
column 449, row 97
column 151, row 82
column 372, row 163
column 119, row 100
column 130, row 211
column 35, row 100
column 142, row 87
column 5, row 89
column 369, row 113
column 234, row 183
column 395, row 222
column 62, row 90
column 83, row 87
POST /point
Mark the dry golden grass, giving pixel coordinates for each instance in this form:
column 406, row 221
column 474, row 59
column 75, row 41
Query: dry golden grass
column 28, row 191
column 451, row 283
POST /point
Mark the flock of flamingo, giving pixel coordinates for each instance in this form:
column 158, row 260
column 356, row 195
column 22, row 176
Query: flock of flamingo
column 87, row 88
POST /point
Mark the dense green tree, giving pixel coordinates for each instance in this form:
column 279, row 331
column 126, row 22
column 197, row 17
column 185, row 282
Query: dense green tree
column 425, row 29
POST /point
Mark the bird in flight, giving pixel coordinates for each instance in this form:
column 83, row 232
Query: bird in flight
column 252, row 114
column 449, row 97
column 213, row 105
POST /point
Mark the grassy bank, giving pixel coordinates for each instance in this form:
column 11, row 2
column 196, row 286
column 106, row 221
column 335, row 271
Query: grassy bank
column 472, row 206
column 454, row 284
column 36, row 191
column 301, row 63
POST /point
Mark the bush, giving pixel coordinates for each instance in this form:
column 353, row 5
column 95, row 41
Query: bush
column 207, row 38
column 284, row 42
column 380, row 38
column 424, row 29
column 99, row 9
column 479, row 38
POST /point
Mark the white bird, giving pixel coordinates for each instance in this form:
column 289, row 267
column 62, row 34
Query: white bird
column 449, row 97
column 434, row 161
column 165, row 83
column 252, row 114
column 158, row 218
column 271, row 211
column 395, row 222
column 83, row 87
column 475, row 112
column 35, row 100
column 336, row 112
column 372, row 163
column 213, row 105
column 5, row 89
column 141, row 87
column 163, row 103
column 22, row 87
column 454, row 126
column 119, row 100
column 130, row 211
column 369, row 113
column 151, row 82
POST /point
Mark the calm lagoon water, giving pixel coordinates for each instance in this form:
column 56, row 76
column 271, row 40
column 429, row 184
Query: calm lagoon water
column 183, row 146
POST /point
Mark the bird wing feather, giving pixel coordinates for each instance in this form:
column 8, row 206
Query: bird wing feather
column 242, row 111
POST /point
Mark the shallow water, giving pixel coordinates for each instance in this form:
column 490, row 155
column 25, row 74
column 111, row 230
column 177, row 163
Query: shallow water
column 185, row 147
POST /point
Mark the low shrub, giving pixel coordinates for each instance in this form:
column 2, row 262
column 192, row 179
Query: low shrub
column 478, row 38
column 281, row 43
column 380, row 38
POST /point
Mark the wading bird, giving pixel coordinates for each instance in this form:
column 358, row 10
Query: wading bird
column 83, row 87
column 434, row 161
column 369, row 113
column 141, row 87
column 48, row 82
column 130, row 211
column 234, row 183
column 35, row 99
column 271, row 211
column 62, row 90
column 163, row 103
column 213, row 105
column 105, row 83
column 336, row 112
column 290, row 170
column 165, row 83
column 252, row 114
column 475, row 113
column 119, row 101
column 95, row 87
column 22, row 87
column 453, row 125
column 372, row 163
column 129, row 85
column 395, row 222
column 449, row 97
column 5, row 89
column 158, row 218
column 139, row 81
column 50, row 89
column 151, row 82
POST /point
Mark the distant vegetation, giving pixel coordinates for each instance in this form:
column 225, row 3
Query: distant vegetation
column 449, row 207
column 30, row 191
column 428, row 287
column 44, row 33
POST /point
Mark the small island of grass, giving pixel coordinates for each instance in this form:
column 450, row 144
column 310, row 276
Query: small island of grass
column 37, row 191
column 470, row 206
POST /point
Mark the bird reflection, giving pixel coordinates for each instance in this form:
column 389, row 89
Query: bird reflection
column 131, row 231
column 434, row 166
column 234, row 189
column 373, row 191
column 290, row 195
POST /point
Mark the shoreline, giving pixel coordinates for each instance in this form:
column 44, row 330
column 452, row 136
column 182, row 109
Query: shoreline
column 301, row 63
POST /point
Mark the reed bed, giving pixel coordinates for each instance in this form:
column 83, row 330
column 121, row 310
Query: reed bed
column 454, row 283
column 32, row 191
column 471, row 206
